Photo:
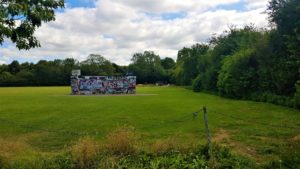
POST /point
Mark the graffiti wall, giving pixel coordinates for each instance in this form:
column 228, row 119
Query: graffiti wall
column 89, row 85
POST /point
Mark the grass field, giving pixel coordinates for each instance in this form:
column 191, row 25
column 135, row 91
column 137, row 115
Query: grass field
column 46, row 119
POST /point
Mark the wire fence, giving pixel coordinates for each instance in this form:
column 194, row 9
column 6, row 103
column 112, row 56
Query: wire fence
column 181, row 119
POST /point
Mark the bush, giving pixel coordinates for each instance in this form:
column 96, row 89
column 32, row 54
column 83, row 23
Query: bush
column 237, row 78
column 273, row 98
column 297, row 96
column 197, row 84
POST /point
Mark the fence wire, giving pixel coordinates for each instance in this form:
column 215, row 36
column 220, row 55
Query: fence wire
column 182, row 119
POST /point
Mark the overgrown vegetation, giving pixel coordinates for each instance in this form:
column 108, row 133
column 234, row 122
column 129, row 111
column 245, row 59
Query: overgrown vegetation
column 121, row 151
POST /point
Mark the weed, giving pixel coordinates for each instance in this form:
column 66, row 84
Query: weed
column 164, row 146
column 121, row 141
column 85, row 152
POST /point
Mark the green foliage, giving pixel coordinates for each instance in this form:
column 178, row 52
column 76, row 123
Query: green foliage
column 250, row 63
column 277, row 70
column 273, row 98
column 287, row 159
column 286, row 15
column 194, row 159
column 14, row 67
column 97, row 65
column 6, row 78
column 30, row 14
column 168, row 63
column 187, row 63
column 147, row 67
column 226, row 45
column 197, row 84
column 297, row 95
column 237, row 76
column 291, row 159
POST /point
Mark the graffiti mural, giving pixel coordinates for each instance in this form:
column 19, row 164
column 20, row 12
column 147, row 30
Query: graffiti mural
column 88, row 85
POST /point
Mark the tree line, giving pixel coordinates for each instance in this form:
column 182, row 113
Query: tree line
column 147, row 66
column 243, row 63
column 249, row 63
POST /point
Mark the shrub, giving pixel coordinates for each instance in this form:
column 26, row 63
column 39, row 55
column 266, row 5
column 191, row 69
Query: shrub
column 237, row 77
column 197, row 84
column 273, row 98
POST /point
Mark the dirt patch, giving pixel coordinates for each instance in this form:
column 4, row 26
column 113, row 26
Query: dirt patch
column 245, row 150
column 13, row 146
column 221, row 135
column 296, row 138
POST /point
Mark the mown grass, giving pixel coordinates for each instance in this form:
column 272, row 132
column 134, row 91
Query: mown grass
column 48, row 119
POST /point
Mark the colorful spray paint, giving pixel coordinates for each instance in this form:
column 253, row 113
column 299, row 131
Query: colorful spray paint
column 93, row 85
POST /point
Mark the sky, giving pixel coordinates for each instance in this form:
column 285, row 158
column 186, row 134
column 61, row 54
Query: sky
column 117, row 29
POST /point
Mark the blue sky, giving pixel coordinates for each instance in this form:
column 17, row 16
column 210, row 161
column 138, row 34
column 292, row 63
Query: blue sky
column 117, row 29
column 80, row 3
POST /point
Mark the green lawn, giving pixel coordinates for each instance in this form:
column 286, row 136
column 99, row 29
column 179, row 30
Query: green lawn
column 48, row 118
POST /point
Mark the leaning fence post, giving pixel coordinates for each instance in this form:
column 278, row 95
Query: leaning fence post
column 208, row 137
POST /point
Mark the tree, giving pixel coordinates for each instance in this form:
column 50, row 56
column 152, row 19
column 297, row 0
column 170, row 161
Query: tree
column 97, row 65
column 68, row 65
column 147, row 67
column 187, row 63
column 238, row 76
column 285, row 14
column 6, row 79
column 168, row 63
column 20, row 18
column 14, row 67
column 120, row 70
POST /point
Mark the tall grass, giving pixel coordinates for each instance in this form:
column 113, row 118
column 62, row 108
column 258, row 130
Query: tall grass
column 122, row 141
column 120, row 150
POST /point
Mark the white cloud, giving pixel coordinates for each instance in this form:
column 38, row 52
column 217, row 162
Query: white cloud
column 2, row 62
column 117, row 29
column 253, row 4
column 159, row 6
